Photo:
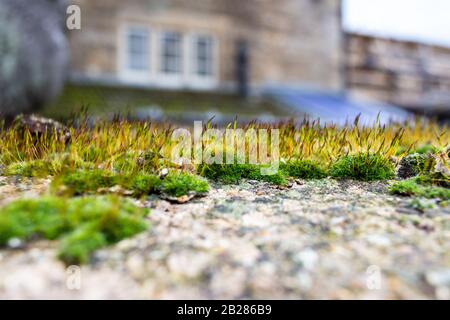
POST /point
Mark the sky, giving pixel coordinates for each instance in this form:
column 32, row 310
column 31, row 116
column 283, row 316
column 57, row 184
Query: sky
column 417, row 20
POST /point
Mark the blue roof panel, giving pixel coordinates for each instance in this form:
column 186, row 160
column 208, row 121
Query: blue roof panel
column 334, row 107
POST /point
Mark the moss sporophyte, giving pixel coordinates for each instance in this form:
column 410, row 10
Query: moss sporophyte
column 257, row 147
column 308, row 150
column 131, row 155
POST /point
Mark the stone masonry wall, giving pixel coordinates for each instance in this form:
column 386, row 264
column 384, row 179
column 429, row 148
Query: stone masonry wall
column 412, row 75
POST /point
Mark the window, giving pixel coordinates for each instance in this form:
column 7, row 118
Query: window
column 167, row 58
column 171, row 53
column 204, row 56
column 138, row 53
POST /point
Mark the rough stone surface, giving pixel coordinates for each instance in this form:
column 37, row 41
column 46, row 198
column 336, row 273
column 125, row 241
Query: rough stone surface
column 40, row 126
column 409, row 166
column 317, row 239
column 33, row 54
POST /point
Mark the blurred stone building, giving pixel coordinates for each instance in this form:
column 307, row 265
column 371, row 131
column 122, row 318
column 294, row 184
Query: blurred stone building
column 412, row 75
column 209, row 44
column 253, row 45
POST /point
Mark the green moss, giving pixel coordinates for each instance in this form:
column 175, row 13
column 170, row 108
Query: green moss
column 22, row 219
column 175, row 184
column 365, row 167
column 144, row 184
column 421, row 204
column 91, row 181
column 435, row 193
column 77, row 247
column 180, row 184
column 405, row 188
column 434, row 179
column 279, row 178
column 87, row 181
column 104, row 222
column 127, row 162
column 17, row 225
column 412, row 187
column 444, row 204
column 83, row 224
column 132, row 162
column 36, row 168
column 225, row 173
column 92, row 153
column 234, row 173
column 47, row 219
column 51, row 166
column 304, row 169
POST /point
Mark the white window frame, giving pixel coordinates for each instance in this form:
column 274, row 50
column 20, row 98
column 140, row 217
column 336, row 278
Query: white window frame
column 177, row 56
column 154, row 76
column 208, row 59
column 172, row 80
column 128, row 74
column 203, row 81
